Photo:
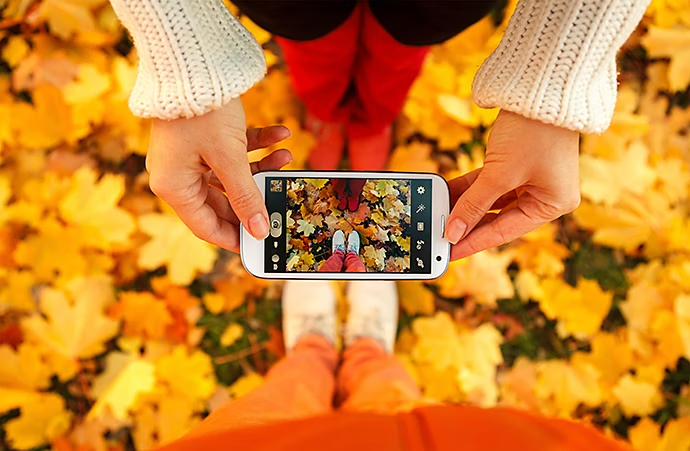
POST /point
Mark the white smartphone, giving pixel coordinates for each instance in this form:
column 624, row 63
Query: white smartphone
column 350, row 225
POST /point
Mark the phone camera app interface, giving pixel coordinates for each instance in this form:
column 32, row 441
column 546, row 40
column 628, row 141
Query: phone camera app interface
column 348, row 225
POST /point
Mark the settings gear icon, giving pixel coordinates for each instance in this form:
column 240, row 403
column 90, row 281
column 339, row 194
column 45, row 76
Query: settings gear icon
column 420, row 190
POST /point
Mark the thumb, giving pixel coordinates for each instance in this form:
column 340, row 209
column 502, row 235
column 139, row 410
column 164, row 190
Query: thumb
column 473, row 205
column 232, row 167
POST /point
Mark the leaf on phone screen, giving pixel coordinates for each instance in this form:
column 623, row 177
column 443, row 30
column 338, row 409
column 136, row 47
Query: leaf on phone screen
column 308, row 259
column 316, row 221
column 317, row 183
column 375, row 257
column 292, row 261
column 380, row 234
column 387, row 187
column 305, row 227
column 362, row 211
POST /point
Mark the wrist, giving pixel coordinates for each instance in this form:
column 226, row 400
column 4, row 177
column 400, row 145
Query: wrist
column 194, row 56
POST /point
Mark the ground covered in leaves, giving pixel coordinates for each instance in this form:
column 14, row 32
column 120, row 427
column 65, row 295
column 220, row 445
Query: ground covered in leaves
column 382, row 220
column 120, row 330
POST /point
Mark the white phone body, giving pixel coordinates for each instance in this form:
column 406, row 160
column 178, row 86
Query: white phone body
column 314, row 212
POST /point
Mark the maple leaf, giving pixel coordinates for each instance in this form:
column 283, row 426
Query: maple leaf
column 471, row 354
column 539, row 252
column 89, row 84
column 48, row 109
column 374, row 258
column 38, row 251
column 361, row 213
column 611, row 355
column 305, row 227
column 175, row 246
column 25, row 368
column 637, row 397
column 72, row 330
column 186, row 374
column 143, row 314
column 481, row 354
column 92, row 205
column 518, row 385
column 605, row 181
column 438, row 384
column 40, row 421
column 67, row 17
column 117, row 388
column 317, row 183
column 565, row 386
column 629, row 224
column 580, row 310
column 483, row 275
column 308, row 259
column 17, row 292
column 646, row 436
column 292, row 261
column 437, row 341
column 416, row 298
column 674, row 44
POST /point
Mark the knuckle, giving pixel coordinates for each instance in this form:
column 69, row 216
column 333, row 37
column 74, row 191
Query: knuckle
column 500, row 232
column 471, row 208
column 572, row 202
column 243, row 200
column 205, row 233
column 474, row 246
column 159, row 185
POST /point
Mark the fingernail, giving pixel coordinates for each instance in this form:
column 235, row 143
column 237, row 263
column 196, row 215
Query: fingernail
column 258, row 226
column 454, row 230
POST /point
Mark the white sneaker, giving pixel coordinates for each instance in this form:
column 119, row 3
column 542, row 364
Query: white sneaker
column 353, row 242
column 373, row 312
column 308, row 308
column 338, row 241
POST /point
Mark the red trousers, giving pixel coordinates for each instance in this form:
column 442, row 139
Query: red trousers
column 356, row 75
column 348, row 191
column 336, row 262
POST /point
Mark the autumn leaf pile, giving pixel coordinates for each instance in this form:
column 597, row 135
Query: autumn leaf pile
column 119, row 328
column 382, row 220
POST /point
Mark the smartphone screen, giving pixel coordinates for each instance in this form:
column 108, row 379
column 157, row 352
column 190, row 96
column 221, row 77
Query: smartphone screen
column 348, row 225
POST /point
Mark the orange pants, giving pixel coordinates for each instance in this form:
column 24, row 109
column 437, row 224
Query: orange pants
column 293, row 410
column 303, row 385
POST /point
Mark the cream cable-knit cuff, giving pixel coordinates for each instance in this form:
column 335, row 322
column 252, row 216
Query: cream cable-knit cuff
column 557, row 61
column 194, row 56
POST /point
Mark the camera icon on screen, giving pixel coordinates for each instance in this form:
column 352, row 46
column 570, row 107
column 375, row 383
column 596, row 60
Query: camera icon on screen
column 276, row 222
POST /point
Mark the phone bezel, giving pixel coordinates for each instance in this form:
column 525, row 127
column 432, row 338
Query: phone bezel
column 252, row 250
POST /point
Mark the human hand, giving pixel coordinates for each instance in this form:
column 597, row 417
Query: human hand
column 191, row 163
column 530, row 173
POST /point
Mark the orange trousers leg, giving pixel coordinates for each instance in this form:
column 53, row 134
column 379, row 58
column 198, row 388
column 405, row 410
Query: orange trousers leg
column 372, row 380
column 300, row 385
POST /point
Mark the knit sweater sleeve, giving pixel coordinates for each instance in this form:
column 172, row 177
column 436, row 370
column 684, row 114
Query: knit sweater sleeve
column 194, row 56
column 557, row 61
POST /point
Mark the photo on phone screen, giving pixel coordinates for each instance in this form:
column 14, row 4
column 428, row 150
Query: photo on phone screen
column 348, row 225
